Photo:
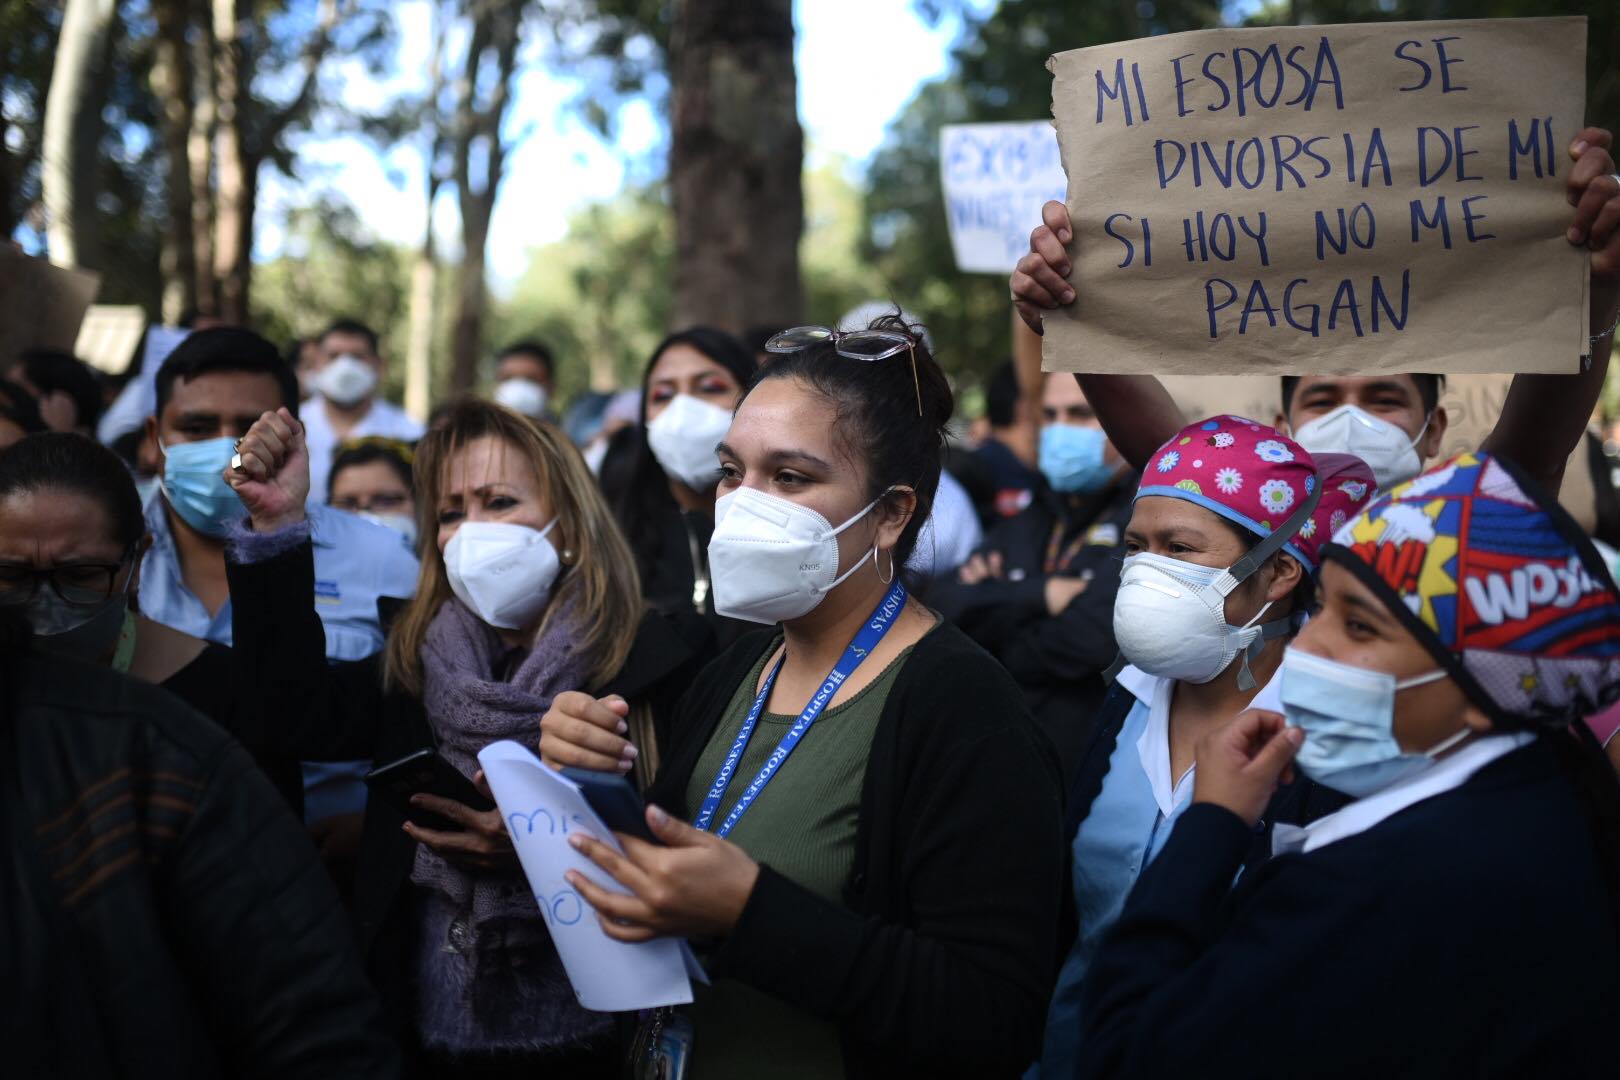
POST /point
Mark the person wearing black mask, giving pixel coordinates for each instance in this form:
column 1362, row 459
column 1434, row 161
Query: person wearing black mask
column 72, row 539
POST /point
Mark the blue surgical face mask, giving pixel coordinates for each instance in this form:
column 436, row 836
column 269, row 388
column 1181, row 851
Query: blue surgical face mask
column 1071, row 458
column 1348, row 716
column 194, row 483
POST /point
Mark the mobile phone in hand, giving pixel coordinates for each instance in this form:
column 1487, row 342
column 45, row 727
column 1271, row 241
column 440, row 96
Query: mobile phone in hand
column 615, row 800
column 424, row 772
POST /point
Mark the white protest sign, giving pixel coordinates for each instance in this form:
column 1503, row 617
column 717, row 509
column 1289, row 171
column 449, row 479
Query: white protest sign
column 996, row 177
column 541, row 809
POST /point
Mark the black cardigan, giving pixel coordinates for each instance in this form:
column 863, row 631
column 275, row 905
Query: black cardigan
column 1468, row 935
column 938, row 963
column 341, row 712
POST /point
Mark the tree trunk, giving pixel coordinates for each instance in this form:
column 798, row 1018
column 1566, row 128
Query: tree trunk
column 233, row 207
column 478, row 131
column 73, row 127
column 425, row 267
column 200, row 159
column 171, row 84
column 736, row 159
column 467, row 336
column 419, row 349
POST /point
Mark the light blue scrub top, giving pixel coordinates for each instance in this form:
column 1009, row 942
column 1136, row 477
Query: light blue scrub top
column 1125, row 829
column 356, row 561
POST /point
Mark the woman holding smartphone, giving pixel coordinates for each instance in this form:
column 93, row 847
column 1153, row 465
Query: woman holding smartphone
column 873, row 868
column 526, row 592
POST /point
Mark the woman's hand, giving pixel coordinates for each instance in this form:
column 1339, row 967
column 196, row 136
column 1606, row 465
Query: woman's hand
column 484, row 843
column 1240, row 765
column 1594, row 192
column 695, row 886
column 583, row 732
column 270, row 471
column 1040, row 281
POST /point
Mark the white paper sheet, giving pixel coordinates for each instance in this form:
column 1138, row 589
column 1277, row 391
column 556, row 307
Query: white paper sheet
column 542, row 809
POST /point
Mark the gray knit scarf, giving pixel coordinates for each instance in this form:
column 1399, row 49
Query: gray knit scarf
column 490, row 977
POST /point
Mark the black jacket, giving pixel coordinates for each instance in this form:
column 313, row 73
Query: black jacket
column 340, row 712
column 1058, row 660
column 938, row 963
column 1471, row 934
column 163, row 914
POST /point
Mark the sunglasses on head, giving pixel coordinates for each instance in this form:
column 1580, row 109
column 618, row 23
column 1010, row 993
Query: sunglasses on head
column 868, row 345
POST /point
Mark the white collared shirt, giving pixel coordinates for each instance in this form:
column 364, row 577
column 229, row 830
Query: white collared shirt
column 1447, row 774
column 1153, row 748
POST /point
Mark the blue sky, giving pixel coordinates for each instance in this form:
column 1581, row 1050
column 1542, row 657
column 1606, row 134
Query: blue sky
column 858, row 63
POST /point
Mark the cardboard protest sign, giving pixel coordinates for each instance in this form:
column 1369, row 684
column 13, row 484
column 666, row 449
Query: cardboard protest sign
column 995, row 178
column 41, row 305
column 1326, row 199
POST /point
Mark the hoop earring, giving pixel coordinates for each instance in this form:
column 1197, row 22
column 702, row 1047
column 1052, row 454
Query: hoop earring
column 875, row 553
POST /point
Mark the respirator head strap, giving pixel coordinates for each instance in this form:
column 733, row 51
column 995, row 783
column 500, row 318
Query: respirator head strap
column 1269, row 545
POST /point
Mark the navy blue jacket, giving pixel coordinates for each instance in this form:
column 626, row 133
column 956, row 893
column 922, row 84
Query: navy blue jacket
column 1471, row 934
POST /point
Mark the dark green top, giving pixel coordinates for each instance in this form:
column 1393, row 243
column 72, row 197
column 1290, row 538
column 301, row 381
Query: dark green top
column 803, row 827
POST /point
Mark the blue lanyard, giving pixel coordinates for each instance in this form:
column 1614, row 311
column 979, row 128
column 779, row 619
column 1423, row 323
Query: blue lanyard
column 870, row 633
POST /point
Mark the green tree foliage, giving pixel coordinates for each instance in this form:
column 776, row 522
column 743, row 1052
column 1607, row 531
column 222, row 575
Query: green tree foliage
column 600, row 296
column 331, row 268
column 998, row 73
column 27, row 42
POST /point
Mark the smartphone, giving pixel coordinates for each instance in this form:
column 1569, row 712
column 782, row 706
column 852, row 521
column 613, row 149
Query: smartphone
column 615, row 800
column 425, row 772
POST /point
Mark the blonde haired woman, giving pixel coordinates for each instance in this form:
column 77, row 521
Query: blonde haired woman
column 527, row 591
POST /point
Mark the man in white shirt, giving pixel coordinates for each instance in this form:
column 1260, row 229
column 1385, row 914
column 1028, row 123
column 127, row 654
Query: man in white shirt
column 347, row 371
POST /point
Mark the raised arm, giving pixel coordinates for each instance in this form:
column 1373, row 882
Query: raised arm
column 1136, row 410
column 1544, row 416
column 291, row 697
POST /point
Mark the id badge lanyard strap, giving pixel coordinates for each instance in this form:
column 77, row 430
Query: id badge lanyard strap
column 870, row 633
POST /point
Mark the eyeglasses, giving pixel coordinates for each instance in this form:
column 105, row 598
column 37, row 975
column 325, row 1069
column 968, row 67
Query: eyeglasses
column 868, row 345
column 77, row 584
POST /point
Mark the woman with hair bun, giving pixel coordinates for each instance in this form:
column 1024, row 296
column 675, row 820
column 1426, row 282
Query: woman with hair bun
column 873, row 868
